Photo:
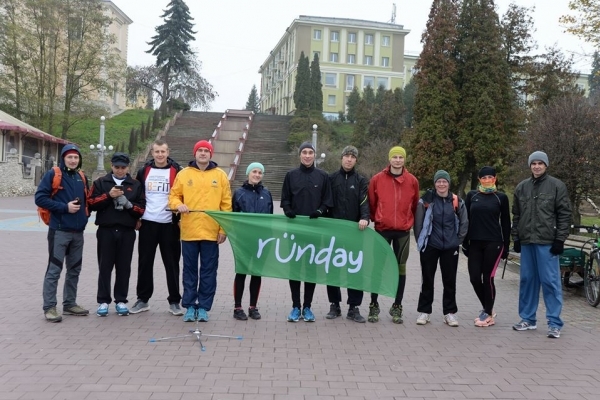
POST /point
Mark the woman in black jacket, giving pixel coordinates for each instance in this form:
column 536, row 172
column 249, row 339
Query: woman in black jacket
column 487, row 240
column 252, row 197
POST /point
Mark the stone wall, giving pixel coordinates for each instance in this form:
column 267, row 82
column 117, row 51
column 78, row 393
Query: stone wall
column 12, row 183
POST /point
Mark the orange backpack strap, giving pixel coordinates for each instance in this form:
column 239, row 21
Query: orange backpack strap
column 56, row 181
column 85, row 191
column 455, row 202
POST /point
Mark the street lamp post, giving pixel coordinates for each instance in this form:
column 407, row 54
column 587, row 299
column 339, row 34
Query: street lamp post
column 314, row 143
column 100, row 152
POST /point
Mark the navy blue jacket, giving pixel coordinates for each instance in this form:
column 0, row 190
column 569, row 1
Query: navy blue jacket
column 253, row 199
column 73, row 187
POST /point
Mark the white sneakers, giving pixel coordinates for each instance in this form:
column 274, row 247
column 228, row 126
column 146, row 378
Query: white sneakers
column 423, row 319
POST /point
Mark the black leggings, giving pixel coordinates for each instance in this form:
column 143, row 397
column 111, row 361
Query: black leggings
column 484, row 258
column 400, row 242
column 238, row 289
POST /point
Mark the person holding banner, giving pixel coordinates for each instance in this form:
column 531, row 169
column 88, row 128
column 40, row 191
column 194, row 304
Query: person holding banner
column 198, row 187
column 393, row 198
column 306, row 191
column 487, row 240
column 252, row 197
column 441, row 225
column 350, row 202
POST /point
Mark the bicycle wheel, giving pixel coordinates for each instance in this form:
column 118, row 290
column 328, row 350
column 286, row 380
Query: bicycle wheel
column 591, row 279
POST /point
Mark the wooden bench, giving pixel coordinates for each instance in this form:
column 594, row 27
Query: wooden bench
column 567, row 271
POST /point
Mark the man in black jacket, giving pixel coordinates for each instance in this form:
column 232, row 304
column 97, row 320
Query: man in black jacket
column 306, row 191
column 350, row 202
column 119, row 202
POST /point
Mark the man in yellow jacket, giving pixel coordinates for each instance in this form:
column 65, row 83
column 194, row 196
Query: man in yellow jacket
column 198, row 187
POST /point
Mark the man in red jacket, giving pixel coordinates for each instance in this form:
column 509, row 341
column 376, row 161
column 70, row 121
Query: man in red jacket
column 393, row 198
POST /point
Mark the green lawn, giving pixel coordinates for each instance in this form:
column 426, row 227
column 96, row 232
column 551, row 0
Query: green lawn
column 116, row 130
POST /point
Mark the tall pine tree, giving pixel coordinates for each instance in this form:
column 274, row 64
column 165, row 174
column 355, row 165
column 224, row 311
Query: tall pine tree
column 486, row 131
column 316, row 103
column 351, row 105
column 253, row 100
column 302, row 90
column 171, row 44
column 594, row 78
column 436, row 102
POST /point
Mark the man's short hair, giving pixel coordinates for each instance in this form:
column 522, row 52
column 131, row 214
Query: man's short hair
column 159, row 142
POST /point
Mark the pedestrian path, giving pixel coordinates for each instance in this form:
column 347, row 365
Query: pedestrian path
column 112, row 358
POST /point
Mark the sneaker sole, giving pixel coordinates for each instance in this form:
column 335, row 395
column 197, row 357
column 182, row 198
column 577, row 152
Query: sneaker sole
column 553, row 336
column 309, row 320
column 76, row 314
column 102, row 315
column 373, row 319
column 189, row 320
column 123, row 314
column 132, row 311
column 452, row 325
column 293, row 320
column 177, row 313
column 422, row 322
column 54, row 320
column 328, row 316
column 529, row 328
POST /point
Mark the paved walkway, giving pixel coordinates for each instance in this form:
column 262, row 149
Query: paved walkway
column 112, row 358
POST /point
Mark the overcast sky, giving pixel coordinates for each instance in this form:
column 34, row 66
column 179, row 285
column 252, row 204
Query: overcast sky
column 234, row 37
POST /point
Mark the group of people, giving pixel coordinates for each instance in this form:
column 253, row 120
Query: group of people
column 166, row 202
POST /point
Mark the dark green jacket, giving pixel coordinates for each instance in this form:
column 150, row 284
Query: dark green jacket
column 541, row 211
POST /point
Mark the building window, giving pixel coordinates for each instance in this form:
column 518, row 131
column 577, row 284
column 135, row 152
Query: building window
column 349, row 82
column 369, row 39
column 335, row 36
column 369, row 81
column 368, row 60
column 330, row 79
column 351, row 58
column 385, row 61
column 331, row 100
column 317, row 34
column 333, row 57
column 352, row 37
column 385, row 41
column 382, row 82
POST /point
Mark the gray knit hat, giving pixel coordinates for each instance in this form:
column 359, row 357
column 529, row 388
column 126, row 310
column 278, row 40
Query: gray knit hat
column 350, row 150
column 539, row 156
column 441, row 174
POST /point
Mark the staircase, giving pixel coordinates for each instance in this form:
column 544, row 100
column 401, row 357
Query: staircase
column 267, row 144
column 191, row 127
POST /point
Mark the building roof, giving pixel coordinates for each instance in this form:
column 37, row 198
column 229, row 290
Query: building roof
column 350, row 22
column 10, row 123
column 118, row 11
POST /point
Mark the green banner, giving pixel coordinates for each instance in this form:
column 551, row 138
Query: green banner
column 323, row 250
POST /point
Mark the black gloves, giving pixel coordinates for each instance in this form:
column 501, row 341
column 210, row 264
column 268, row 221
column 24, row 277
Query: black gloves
column 465, row 249
column 517, row 246
column 557, row 248
column 315, row 214
column 504, row 255
column 289, row 213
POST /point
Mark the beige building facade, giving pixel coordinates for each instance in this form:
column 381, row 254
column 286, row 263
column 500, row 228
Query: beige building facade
column 351, row 53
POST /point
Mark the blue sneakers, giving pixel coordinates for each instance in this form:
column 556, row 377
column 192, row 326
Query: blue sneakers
column 308, row 315
column 190, row 315
column 202, row 315
column 294, row 315
column 102, row 310
column 122, row 309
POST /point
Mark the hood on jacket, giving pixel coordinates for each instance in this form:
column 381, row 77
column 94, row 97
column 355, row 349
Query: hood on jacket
column 211, row 164
column 70, row 147
column 170, row 162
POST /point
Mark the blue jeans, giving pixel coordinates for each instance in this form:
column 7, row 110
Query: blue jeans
column 539, row 266
column 62, row 246
column 199, row 285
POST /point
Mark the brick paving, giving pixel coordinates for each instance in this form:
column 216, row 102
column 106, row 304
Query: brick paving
column 111, row 358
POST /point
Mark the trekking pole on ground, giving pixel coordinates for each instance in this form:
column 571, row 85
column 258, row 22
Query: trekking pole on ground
column 504, row 269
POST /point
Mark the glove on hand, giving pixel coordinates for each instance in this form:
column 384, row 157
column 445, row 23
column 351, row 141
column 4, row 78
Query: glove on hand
column 504, row 255
column 128, row 205
column 517, row 246
column 315, row 214
column 557, row 248
column 289, row 213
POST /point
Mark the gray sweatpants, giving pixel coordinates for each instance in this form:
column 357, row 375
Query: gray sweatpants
column 63, row 246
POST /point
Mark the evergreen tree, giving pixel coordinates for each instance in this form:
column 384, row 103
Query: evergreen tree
column 360, row 137
column 486, row 130
column 351, row 105
column 148, row 126
column 253, row 100
column 316, row 102
column 171, row 44
column 594, row 78
column 369, row 97
column 379, row 95
column 132, row 143
column 552, row 77
column 388, row 117
column 156, row 119
column 302, row 90
column 409, row 102
column 436, row 102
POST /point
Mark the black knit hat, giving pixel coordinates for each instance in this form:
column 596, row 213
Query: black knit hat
column 306, row 145
column 485, row 171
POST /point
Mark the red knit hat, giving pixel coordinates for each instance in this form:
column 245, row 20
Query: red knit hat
column 204, row 144
column 72, row 151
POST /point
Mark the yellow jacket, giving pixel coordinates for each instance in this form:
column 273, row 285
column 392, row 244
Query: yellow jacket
column 200, row 190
